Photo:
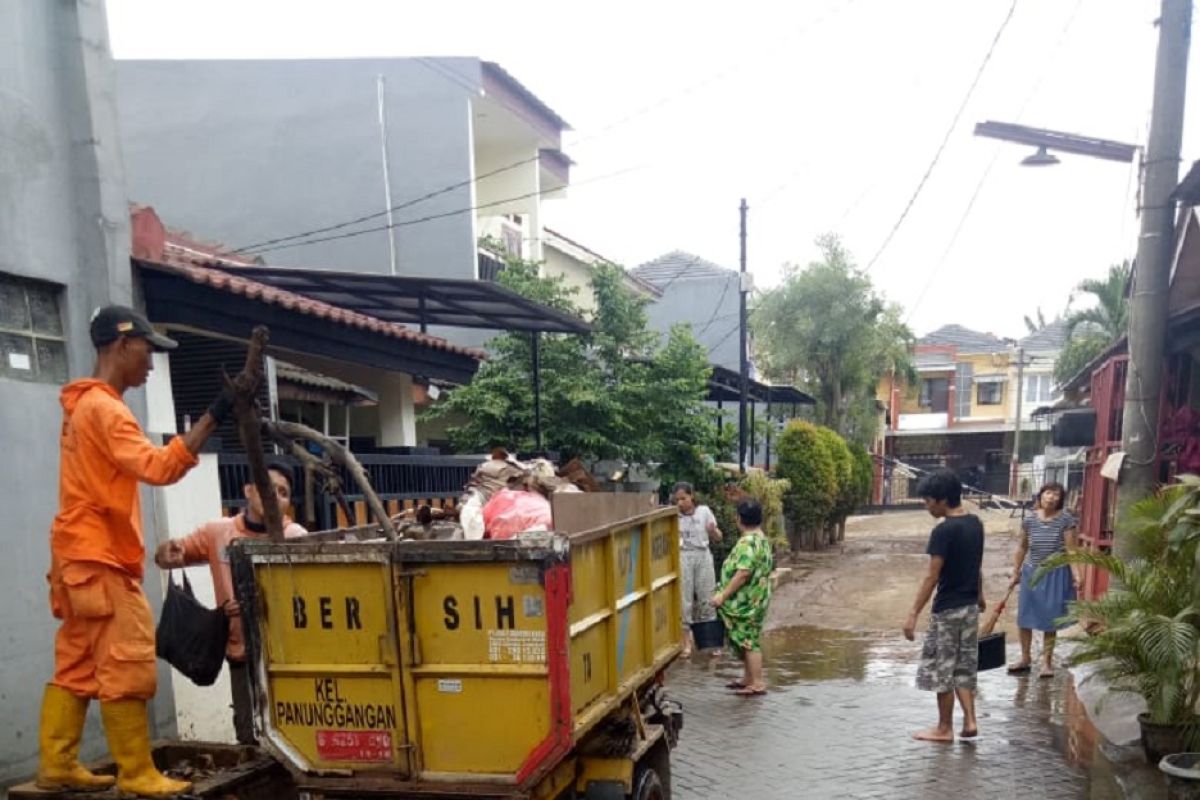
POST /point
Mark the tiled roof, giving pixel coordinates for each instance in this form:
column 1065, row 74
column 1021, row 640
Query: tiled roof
column 1051, row 338
column 964, row 339
column 197, row 262
column 678, row 266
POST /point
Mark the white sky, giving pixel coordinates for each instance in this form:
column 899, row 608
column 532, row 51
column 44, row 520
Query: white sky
column 824, row 114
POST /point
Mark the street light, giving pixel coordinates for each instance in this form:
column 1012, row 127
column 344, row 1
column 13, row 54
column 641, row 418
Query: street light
column 1041, row 158
column 1045, row 140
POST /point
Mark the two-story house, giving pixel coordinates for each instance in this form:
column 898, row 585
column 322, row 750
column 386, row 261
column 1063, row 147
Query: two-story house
column 260, row 150
column 962, row 412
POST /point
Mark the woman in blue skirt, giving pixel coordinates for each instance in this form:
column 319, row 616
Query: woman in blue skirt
column 1047, row 531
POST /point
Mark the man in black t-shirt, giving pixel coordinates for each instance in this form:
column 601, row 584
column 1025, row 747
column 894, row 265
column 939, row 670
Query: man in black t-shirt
column 950, row 655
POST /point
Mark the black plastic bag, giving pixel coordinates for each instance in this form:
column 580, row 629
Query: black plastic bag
column 191, row 637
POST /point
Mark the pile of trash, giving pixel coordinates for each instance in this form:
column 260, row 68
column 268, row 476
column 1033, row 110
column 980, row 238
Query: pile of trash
column 504, row 497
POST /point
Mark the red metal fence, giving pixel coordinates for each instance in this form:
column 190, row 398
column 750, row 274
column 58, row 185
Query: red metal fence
column 1098, row 504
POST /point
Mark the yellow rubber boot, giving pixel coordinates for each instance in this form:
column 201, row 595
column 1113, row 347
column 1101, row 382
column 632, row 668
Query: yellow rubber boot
column 128, row 731
column 61, row 729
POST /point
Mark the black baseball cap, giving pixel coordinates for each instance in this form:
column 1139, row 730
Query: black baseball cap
column 112, row 322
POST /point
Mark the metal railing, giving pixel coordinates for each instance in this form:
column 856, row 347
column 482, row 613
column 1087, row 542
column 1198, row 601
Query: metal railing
column 397, row 479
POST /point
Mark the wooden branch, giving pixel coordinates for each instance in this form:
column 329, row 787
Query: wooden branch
column 331, row 480
column 342, row 456
column 245, row 387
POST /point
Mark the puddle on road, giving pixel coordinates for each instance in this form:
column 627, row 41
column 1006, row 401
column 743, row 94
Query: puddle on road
column 806, row 655
column 803, row 654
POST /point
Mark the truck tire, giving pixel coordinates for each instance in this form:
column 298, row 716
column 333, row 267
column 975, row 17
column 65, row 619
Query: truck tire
column 648, row 786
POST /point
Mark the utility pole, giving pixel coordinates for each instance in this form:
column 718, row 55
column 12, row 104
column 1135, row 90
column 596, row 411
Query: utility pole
column 1014, row 481
column 381, row 101
column 1148, row 304
column 744, row 349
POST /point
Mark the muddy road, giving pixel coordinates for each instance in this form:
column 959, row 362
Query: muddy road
column 867, row 583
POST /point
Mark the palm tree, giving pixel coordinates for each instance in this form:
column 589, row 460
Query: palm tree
column 1110, row 315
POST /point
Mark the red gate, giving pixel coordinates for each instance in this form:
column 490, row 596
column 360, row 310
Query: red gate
column 1098, row 504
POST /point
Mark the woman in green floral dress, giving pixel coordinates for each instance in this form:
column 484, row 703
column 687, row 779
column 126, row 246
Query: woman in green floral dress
column 744, row 594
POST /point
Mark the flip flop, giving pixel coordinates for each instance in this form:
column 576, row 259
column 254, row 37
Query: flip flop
column 1046, row 674
column 735, row 685
column 746, row 691
column 1020, row 669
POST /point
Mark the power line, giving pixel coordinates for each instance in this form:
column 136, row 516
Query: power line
column 456, row 78
column 712, row 317
column 983, row 178
column 368, row 217
column 945, row 139
column 442, row 215
column 962, row 220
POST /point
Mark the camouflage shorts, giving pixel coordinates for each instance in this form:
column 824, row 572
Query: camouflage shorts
column 950, row 656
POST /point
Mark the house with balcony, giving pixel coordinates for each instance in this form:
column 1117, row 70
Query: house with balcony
column 396, row 166
column 962, row 411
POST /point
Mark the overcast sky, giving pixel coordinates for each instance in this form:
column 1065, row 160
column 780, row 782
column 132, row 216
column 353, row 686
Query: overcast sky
column 824, row 114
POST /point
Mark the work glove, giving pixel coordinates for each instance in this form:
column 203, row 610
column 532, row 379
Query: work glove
column 220, row 407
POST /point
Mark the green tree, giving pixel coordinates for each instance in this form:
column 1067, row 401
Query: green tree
column 805, row 462
column 864, row 474
column 1090, row 331
column 612, row 394
column 1035, row 324
column 1110, row 314
column 844, row 501
column 1079, row 351
column 826, row 329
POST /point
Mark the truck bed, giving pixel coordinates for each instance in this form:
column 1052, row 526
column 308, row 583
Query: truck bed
column 218, row 771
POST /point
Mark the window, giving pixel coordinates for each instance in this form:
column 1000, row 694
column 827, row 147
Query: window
column 32, row 344
column 935, row 395
column 990, row 393
column 1039, row 388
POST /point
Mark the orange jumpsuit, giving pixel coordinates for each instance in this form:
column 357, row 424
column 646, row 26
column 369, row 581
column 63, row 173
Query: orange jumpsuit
column 105, row 646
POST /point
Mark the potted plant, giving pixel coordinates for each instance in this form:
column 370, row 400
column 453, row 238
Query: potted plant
column 1148, row 641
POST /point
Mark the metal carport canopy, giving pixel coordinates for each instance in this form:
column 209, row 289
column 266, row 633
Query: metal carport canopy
column 419, row 301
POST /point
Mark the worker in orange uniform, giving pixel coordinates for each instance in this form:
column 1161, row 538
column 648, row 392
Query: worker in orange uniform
column 104, row 648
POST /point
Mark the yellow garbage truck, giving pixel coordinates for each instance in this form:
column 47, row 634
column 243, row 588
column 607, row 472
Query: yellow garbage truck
column 524, row 668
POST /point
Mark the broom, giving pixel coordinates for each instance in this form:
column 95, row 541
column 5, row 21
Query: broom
column 991, row 645
column 993, row 615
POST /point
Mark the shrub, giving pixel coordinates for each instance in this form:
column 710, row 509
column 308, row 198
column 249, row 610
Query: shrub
column 863, row 475
column 769, row 492
column 804, row 460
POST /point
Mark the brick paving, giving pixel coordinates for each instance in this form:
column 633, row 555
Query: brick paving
column 837, row 722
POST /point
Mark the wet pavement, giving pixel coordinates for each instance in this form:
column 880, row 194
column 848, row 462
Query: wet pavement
column 838, row 719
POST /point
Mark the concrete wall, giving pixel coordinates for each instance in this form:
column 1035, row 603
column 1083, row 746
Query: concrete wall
column 710, row 306
column 202, row 712
column 244, row 151
column 575, row 274
column 63, row 218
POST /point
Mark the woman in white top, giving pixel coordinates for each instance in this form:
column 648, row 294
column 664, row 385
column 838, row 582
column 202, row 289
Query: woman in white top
column 697, row 528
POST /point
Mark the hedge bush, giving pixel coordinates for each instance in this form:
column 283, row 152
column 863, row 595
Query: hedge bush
column 806, row 462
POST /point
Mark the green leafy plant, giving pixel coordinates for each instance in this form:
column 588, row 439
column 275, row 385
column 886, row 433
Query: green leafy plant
column 844, row 502
column 769, row 492
column 805, row 462
column 1148, row 642
column 826, row 329
column 618, row 393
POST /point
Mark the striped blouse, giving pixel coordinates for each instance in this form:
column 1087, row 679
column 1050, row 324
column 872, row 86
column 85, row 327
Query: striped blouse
column 1046, row 536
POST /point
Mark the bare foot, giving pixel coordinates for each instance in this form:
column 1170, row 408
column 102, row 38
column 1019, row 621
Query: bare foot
column 1047, row 672
column 968, row 733
column 934, row 735
column 686, row 653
